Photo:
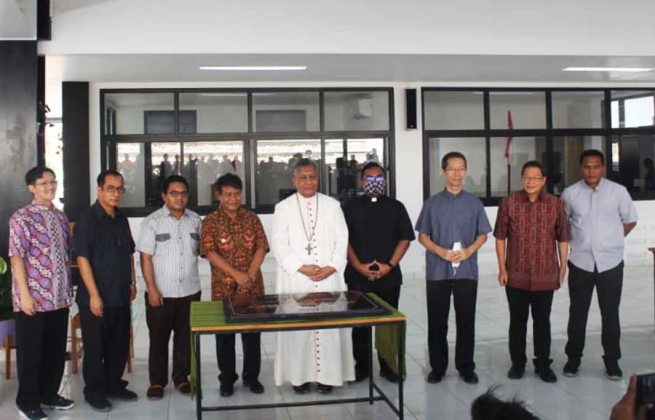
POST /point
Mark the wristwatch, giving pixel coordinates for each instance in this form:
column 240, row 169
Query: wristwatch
column 390, row 264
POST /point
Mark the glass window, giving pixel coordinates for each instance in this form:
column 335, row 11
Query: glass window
column 527, row 109
column 276, row 159
column 632, row 109
column 130, row 163
column 356, row 111
column 344, row 160
column 505, row 171
column 217, row 112
column 165, row 161
column 285, row 112
column 476, row 157
column 125, row 112
column 566, row 159
column 632, row 163
column 205, row 162
column 453, row 110
column 578, row 109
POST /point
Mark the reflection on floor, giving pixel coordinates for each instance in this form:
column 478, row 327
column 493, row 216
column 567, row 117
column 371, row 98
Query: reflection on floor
column 589, row 396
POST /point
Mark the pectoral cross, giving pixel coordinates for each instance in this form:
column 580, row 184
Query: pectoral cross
column 309, row 248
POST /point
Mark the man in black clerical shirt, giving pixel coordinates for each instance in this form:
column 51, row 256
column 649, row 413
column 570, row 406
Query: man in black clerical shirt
column 379, row 233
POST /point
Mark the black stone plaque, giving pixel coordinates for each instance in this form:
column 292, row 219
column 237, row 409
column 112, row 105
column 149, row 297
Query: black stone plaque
column 301, row 306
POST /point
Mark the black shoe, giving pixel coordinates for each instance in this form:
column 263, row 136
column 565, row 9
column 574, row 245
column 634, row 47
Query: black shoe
column 33, row 414
column 390, row 376
column 301, row 389
column 255, row 386
column 98, row 403
column 123, row 395
column 515, row 372
column 360, row 375
column 435, row 377
column 155, row 392
column 227, row 390
column 571, row 369
column 324, row 389
column 470, row 377
column 59, row 403
column 612, row 370
column 546, row 374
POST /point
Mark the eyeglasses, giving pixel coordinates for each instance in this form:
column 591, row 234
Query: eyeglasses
column 532, row 178
column 374, row 178
column 52, row 183
column 453, row 170
column 112, row 189
column 307, row 178
column 176, row 194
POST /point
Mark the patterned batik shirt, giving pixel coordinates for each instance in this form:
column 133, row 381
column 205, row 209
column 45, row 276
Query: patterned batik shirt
column 236, row 240
column 40, row 236
column 532, row 231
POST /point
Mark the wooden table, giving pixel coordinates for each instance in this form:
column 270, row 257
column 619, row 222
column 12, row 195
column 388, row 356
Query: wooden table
column 208, row 318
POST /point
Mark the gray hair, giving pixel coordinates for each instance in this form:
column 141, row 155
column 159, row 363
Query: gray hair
column 302, row 163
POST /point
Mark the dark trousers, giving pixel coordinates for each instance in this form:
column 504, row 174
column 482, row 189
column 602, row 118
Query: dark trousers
column 226, row 357
column 40, row 356
column 172, row 316
column 465, row 293
column 106, row 341
column 520, row 303
column 360, row 335
column 581, row 287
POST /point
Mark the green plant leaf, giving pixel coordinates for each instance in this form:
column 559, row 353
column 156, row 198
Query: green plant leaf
column 3, row 266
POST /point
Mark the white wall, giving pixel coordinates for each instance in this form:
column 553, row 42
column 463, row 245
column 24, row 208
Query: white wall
column 512, row 27
column 409, row 185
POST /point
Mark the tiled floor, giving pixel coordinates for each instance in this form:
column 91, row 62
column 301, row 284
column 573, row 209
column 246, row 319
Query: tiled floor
column 590, row 396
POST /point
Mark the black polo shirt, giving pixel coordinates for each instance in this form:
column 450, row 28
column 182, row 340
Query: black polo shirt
column 107, row 243
column 374, row 230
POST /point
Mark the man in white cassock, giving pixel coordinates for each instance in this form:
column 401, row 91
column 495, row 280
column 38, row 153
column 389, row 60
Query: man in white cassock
column 310, row 242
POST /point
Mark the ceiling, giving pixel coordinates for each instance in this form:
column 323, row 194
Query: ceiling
column 378, row 69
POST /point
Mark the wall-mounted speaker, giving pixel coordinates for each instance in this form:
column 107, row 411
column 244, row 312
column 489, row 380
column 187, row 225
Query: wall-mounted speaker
column 410, row 109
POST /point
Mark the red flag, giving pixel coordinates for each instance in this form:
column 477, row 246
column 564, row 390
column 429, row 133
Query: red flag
column 510, row 126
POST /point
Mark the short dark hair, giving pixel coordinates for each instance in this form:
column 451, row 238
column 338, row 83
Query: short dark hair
column 104, row 174
column 302, row 163
column 452, row 155
column 533, row 164
column 228, row 180
column 37, row 173
column 592, row 152
column 174, row 178
column 369, row 165
column 489, row 407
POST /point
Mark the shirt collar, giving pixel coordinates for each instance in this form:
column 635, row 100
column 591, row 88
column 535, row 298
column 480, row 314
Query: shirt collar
column 540, row 197
column 167, row 212
column 311, row 199
column 600, row 185
column 42, row 206
column 449, row 194
column 100, row 211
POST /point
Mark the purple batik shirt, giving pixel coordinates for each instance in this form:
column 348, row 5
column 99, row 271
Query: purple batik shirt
column 40, row 236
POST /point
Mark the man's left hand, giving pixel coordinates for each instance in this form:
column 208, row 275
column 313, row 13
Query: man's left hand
column 132, row 291
column 323, row 273
column 383, row 271
column 562, row 274
column 462, row 255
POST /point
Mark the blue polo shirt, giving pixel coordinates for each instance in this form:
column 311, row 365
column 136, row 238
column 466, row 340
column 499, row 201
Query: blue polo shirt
column 447, row 218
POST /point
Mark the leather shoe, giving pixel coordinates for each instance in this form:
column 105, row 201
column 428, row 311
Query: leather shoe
column 546, row 374
column 301, row 389
column 470, row 377
column 255, row 386
column 360, row 375
column 435, row 377
column 227, row 390
column 324, row 389
column 155, row 392
column 515, row 372
column 390, row 376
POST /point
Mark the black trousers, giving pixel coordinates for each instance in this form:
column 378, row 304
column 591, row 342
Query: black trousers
column 226, row 357
column 106, row 341
column 171, row 317
column 360, row 335
column 40, row 356
column 520, row 303
column 581, row 287
column 465, row 293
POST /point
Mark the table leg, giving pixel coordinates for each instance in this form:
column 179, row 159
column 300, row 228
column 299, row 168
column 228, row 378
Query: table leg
column 401, row 370
column 369, row 344
column 198, row 383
